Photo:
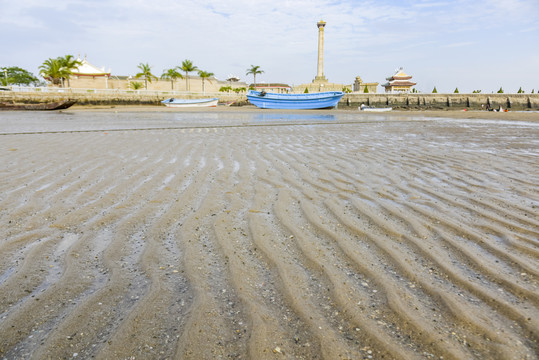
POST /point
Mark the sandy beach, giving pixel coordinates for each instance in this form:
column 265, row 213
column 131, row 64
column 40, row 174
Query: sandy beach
column 136, row 233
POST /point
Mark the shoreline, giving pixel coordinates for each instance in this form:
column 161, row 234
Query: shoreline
column 526, row 115
column 352, row 101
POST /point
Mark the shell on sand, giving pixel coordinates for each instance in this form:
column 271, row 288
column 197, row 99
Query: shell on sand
column 370, row 237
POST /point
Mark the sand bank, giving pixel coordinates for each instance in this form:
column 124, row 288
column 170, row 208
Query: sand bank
column 405, row 239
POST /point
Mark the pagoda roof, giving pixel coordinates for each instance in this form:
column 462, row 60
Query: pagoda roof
column 87, row 69
column 399, row 75
column 399, row 83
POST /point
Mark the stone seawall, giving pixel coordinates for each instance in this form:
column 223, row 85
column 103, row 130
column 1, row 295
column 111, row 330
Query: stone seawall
column 116, row 98
column 443, row 101
column 349, row 101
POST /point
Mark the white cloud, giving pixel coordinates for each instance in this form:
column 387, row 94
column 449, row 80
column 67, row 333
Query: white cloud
column 368, row 38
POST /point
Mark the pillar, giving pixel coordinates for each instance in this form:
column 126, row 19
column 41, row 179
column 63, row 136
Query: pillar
column 320, row 70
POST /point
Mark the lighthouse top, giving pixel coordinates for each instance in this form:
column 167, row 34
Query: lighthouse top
column 321, row 24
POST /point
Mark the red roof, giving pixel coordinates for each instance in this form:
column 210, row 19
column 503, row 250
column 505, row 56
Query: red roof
column 399, row 83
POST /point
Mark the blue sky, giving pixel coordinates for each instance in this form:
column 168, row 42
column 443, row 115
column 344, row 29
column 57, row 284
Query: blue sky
column 469, row 44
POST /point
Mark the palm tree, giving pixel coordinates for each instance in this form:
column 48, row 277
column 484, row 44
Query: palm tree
column 145, row 70
column 188, row 67
column 255, row 69
column 69, row 63
column 204, row 75
column 172, row 75
column 52, row 70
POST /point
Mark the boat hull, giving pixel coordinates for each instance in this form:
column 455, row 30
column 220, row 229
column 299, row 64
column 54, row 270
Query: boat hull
column 322, row 100
column 56, row 105
column 377, row 109
column 178, row 103
column 373, row 109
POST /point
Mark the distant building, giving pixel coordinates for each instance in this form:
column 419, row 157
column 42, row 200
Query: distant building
column 233, row 78
column 89, row 76
column 399, row 82
column 359, row 86
column 274, row 88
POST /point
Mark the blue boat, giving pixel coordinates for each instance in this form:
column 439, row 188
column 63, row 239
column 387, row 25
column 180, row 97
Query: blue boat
column 321, row 100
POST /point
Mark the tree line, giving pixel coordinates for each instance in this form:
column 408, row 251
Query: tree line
column 456, row 91
column 59, row 70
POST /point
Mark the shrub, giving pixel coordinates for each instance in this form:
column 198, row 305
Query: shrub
column 500, row 91
column 456, row 91
column 135, row 85
column 434, row 91
column 306, row 91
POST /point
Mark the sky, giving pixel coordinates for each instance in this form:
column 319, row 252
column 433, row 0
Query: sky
column 447, row 44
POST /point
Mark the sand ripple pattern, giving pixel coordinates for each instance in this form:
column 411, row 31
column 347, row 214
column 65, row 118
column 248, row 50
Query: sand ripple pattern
column 393, row 240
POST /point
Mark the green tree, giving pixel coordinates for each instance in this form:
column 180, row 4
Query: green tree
column 52, row 70
column 434, row 91
column 500, row 91
column 16, row 75
column 520, row 91
column 366, row 90
column 204, row 75
column 225, row 88
column 306, row 91
column 240, row 89
column 68, row 63
column 146, row 72
column 172, row 75
column 187, row 66
column 135, row 85
column 255, row 69
column 456, row 90
column 4, row 80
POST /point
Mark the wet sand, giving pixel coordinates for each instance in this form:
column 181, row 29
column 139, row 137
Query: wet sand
column 199, row 235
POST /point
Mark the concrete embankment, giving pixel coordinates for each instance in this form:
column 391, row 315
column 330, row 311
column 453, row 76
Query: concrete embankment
column 443, row 101
column 352, row 101
column 112, row 98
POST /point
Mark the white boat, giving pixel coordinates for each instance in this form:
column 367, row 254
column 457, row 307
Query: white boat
column 190, row 102
column 370, row 108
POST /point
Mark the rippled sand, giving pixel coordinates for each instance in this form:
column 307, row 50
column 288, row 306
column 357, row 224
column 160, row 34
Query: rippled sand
column 371, row 237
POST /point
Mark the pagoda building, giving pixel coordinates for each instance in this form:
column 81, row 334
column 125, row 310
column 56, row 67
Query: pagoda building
column 87, row 75
column 399, row 83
